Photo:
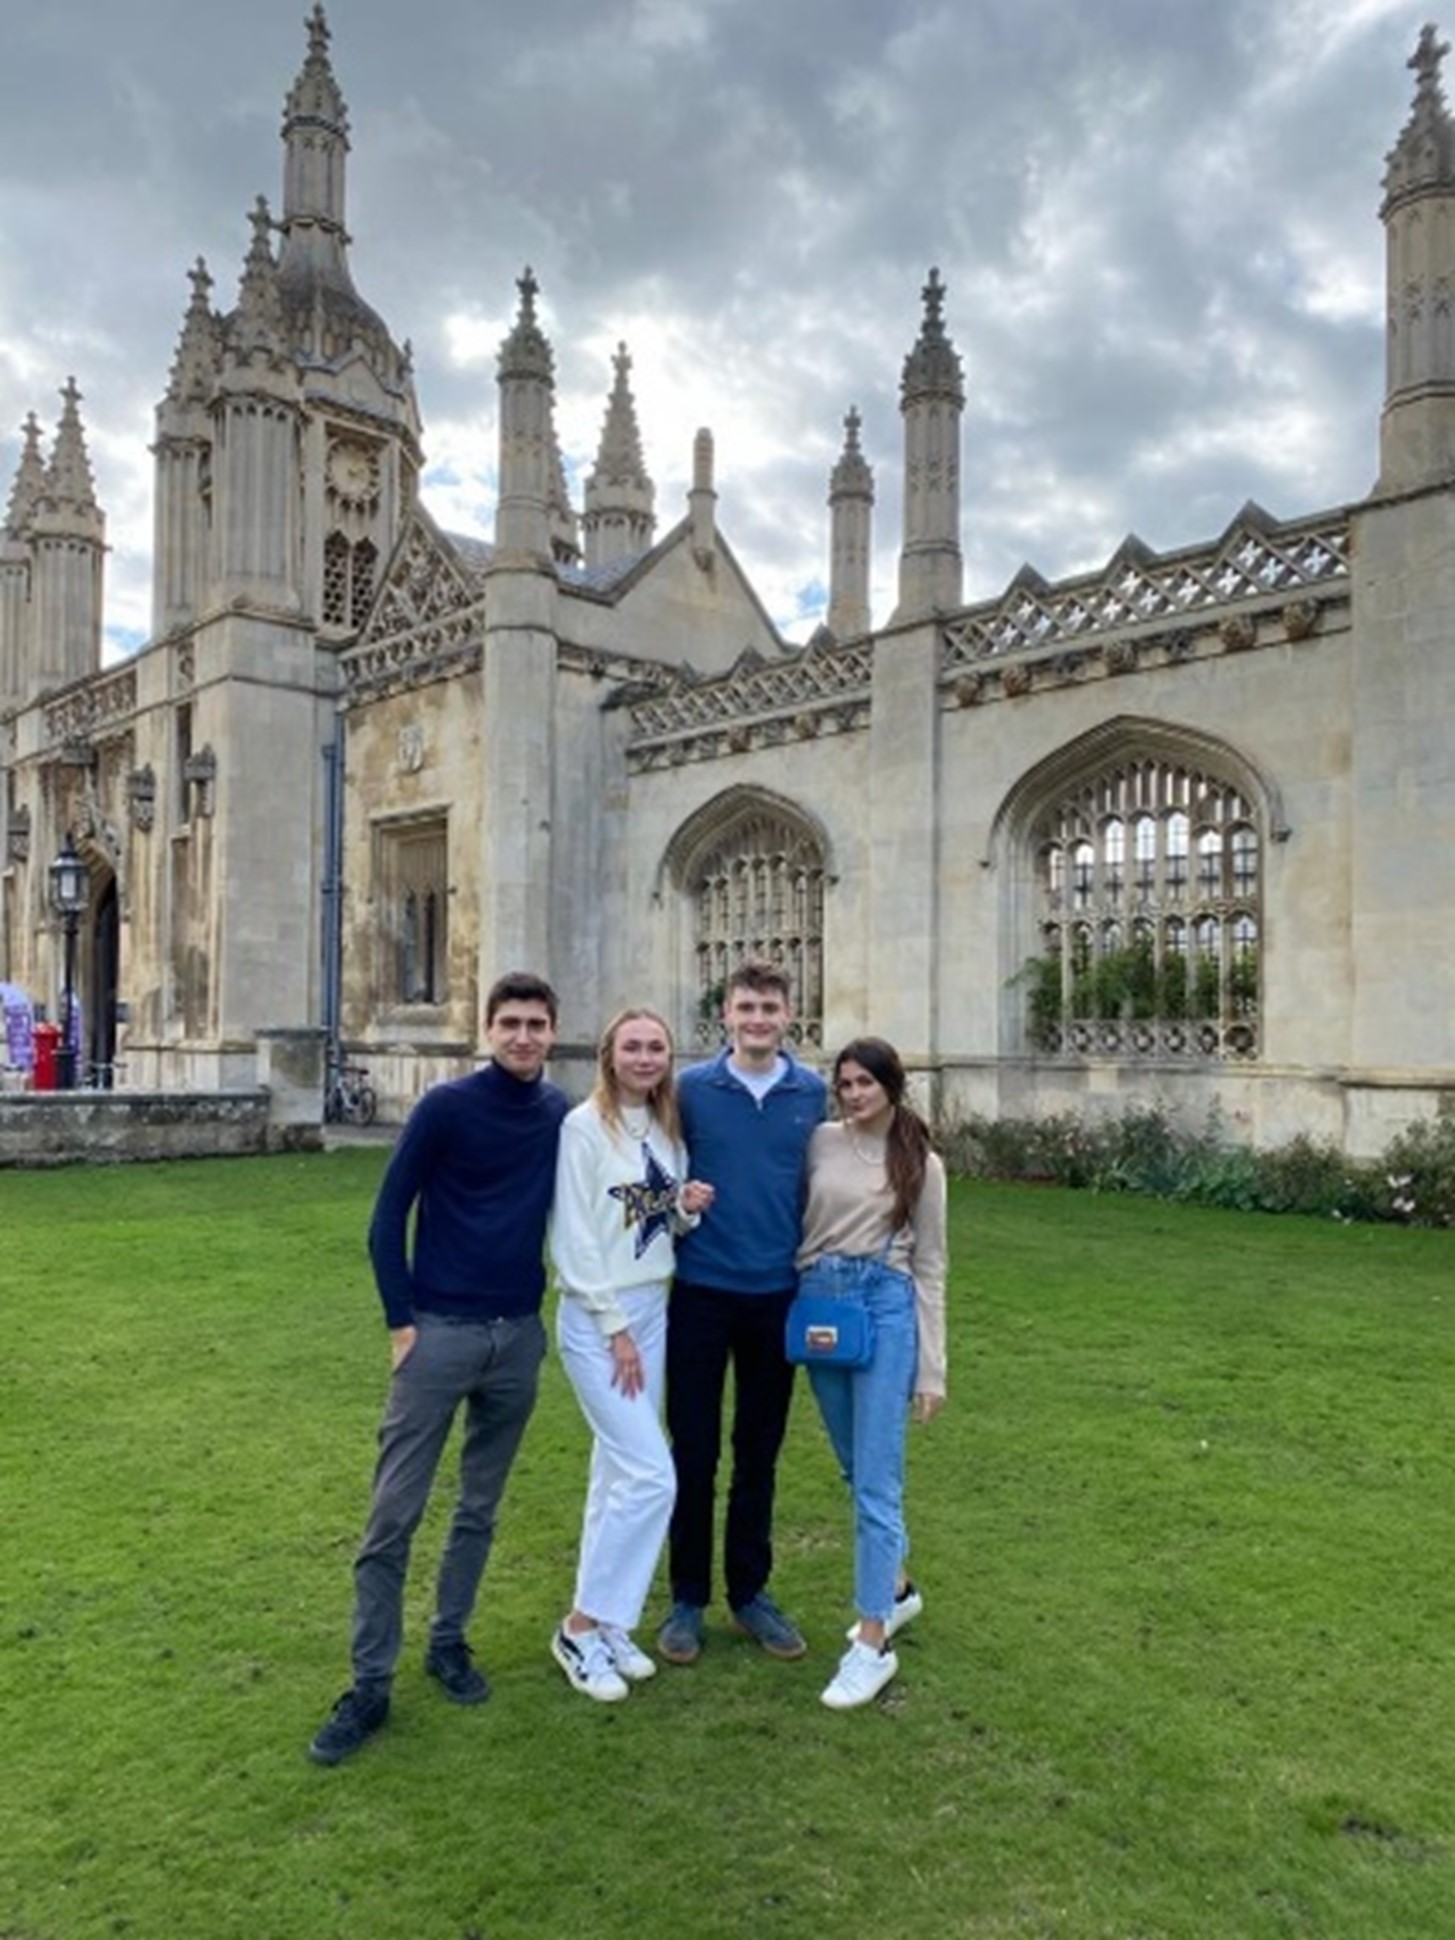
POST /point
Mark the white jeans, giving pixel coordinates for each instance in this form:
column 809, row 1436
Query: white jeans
column 632, row 1483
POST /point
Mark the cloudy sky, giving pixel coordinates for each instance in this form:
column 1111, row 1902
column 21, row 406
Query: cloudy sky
column 1157, row 220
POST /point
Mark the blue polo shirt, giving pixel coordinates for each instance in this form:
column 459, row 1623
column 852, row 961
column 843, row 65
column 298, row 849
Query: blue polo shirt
column 754, row 1152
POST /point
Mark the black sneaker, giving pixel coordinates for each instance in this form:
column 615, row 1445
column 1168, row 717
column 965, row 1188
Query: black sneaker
column 354, row 1719
column 452, row 1668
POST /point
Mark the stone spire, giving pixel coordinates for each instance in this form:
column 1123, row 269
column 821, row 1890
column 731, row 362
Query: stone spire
column 68, row 493
column 932, row 369
column 182, row 455
column 518, row 676
column 851, row 501
column 316, row 139
column 620, row 516
column 702, row 502
column 29, row 482
column 526, row 375
column 15, row 568
column 326, row 321
column 255, row 416
column 69, row 545
column 931, row 400
column 1417, row 431
column 525, row 353
column 1424, row 156
column 194, row 368
column 256, row 333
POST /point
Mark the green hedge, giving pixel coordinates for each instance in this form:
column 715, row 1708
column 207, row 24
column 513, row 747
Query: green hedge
column 1142, row 1150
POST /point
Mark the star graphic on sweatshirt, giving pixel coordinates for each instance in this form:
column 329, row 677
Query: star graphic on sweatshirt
column 647, row 1204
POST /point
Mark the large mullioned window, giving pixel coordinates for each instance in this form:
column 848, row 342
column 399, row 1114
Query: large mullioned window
column 759, row 892
column 1148, row 898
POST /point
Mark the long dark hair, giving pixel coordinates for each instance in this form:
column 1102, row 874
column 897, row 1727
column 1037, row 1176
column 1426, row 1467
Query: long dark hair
column 907, row 1147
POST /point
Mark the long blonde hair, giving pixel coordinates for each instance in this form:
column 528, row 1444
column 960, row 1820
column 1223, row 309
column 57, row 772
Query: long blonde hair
column 606, row 1092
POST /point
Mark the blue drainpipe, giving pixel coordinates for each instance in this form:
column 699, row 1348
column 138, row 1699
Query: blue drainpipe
column 333, row 885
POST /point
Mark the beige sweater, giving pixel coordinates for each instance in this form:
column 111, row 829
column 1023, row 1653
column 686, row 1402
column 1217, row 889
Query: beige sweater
column 848, row 1211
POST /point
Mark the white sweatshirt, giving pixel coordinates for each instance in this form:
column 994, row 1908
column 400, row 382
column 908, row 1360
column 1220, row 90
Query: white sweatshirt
column 615, row 1213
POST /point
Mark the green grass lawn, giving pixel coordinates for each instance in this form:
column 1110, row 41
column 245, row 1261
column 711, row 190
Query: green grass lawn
column 1186, row 1668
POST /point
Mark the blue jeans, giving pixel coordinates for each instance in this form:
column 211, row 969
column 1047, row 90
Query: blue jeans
column 866, row 1413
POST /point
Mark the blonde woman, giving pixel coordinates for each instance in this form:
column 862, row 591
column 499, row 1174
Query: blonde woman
column 622, row 1196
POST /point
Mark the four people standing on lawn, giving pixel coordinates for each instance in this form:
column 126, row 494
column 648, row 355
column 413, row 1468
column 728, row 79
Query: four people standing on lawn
column 622, row 1197
column 874, row 1237
column 747, row 1116
column 476, row 1166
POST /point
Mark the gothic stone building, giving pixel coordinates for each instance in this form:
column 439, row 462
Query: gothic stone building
column 1180, row 829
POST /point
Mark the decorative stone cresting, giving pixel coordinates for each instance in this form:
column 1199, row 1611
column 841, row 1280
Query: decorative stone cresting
column 758, row 703
column 100, row 708
column 1048, row 636
column 1255, row 557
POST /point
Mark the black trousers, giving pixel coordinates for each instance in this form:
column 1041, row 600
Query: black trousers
column 708, row 1330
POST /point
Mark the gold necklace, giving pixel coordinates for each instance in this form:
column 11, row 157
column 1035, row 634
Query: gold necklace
column 864, row 1158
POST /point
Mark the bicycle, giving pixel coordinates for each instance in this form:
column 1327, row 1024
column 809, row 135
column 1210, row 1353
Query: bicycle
column 350, row 1098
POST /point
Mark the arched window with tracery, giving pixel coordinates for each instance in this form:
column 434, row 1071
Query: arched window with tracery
column 349, row 571
column 753, row 869
column 1148, row 916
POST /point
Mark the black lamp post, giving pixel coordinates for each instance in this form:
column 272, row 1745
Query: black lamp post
column 70, row 886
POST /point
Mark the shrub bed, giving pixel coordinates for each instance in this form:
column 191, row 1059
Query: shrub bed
column 1142, row 1150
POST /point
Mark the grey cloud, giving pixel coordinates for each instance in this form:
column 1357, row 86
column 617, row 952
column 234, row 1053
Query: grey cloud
column 779, row 178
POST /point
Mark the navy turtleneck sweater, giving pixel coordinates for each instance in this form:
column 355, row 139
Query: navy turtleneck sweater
column 477, row 1163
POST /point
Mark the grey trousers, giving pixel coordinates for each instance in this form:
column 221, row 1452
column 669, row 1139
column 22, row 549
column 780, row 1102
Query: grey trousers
column 494, row 1368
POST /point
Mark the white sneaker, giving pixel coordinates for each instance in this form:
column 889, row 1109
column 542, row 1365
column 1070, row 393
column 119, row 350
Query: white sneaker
column 587, row 1663
column 862, row 1674
column 907, row 1607
column 633, row 1664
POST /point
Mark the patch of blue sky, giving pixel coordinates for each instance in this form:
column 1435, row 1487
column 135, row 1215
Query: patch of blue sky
column 120, row 643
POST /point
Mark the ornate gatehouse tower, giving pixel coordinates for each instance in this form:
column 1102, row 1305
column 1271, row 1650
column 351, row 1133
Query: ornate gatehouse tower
column 195, row 775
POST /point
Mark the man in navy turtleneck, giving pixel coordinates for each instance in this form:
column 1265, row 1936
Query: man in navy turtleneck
column 476, row 1165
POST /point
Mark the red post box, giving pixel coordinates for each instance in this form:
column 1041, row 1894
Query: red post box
column 47, row 1041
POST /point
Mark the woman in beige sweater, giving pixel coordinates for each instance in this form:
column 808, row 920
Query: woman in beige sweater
column 874, row 1235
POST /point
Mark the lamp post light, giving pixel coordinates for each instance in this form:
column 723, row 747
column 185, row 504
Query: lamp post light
column 70, row 886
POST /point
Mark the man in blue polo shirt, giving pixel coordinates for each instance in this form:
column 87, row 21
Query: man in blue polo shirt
column 747, row 1116
column 476, row 1165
